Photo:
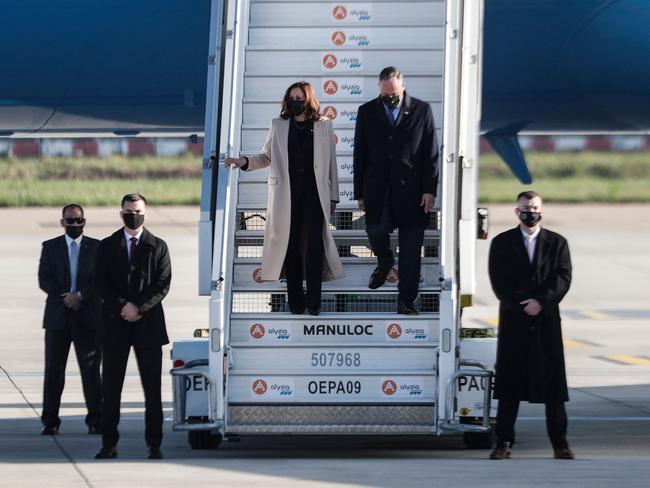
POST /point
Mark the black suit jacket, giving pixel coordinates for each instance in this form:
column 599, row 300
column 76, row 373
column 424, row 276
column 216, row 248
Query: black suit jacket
column 144, row 282
column 530, row 353
column 54, row 279
column 400, row 160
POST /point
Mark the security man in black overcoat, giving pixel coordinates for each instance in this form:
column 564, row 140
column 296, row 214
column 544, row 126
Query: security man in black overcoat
column 133, row 274
column 530, row 271
column 395, row 180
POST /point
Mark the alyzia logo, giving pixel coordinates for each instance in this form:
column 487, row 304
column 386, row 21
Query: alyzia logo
column 282, row 334
column 282, row 389
column 257, row 331
column 360, row 40
column 349, row 114
column 259, row 387
column 393, row 275
column 402, row 387
column 352, row 62
column 394, row 331
column 330, row 87
column 352, row 88
column 329, row 112
column 417, row 333
column 412, row 389
column 339, row 12
column 346, row 194
column 389, row 387
column 347, row 167
column 330, row 61
column 361, row 14
column 348, row 140
column 257, row 275
column 338, row 38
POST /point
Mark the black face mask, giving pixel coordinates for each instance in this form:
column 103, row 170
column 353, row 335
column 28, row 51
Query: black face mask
column 296, row 107
column 74, row 231
column 133, row 220
column 391, row 101
column 530, row 219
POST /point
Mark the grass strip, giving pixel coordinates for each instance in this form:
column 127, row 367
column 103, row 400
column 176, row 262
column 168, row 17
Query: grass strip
column 170, row 191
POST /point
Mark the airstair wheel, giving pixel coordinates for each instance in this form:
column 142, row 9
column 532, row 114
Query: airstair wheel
column 203, row 439
column 480, row 440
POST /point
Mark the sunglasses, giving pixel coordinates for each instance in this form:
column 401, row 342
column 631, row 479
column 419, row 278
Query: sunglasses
column 74, row 220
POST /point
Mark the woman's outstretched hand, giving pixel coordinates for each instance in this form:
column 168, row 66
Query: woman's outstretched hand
column 238, row 162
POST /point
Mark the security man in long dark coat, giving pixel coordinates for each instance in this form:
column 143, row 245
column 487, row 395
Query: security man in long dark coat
column 133, row 274
column 530, row 271
column 395, row 180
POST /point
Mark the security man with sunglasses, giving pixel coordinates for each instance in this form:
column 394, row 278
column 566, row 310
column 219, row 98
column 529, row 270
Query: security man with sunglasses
column 67, row 273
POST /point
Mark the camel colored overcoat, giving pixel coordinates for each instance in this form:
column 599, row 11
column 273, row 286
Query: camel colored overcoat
column 275, row 154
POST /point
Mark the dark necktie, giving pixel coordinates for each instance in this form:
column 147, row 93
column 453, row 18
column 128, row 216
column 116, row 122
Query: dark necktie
column 134, row 244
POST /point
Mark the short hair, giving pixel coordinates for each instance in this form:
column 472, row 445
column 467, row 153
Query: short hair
column 312, row 106
column 133, row 197
column 528, row 195
column 390, row 72
column 70, row 206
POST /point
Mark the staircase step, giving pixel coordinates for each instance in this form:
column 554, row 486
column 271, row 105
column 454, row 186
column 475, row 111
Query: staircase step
column 331, row 419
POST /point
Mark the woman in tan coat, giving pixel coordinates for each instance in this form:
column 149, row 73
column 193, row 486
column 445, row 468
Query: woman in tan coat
column 303, row 190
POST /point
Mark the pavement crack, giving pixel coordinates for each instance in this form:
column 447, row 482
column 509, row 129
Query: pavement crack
column 65, row 453
column 617, row 402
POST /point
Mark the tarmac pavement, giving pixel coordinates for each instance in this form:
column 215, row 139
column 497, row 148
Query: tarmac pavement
column 606, row 323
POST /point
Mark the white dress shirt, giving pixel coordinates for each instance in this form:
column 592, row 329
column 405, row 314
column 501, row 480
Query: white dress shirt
column 127, row 237
column 530, row 241
column 68, row 241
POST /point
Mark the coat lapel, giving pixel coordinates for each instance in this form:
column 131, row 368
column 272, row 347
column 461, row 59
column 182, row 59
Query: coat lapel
column 143, row 248
column 320, row 147
column 63, row 250
column 282, row 130
column 518, row 246
column 121, row 252
column 83, row 256
column 540, row 249
column 381, row 113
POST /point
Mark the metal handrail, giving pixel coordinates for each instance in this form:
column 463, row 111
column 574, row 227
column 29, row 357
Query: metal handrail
column 449, row 424
column 180, row 397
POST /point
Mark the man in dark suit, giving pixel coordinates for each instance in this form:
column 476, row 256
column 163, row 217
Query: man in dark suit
column 133, row 273
column 66, row 274
column 530, row 271
column 395, row 180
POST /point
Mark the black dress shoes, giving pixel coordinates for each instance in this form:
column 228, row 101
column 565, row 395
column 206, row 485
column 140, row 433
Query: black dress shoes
column 154, row 453
column 49, row 430
column 297, row 311
column 405, row 308
column 501, row 451
column 94, row 430
column 563, row 453
column 378, row 276
column 313, row 311
column 106, row 453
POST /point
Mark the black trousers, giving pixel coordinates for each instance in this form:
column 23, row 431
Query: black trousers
column 410, row 253
column 57, row 348
column 150, row 368
column 306, row 232
column 556, row 422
